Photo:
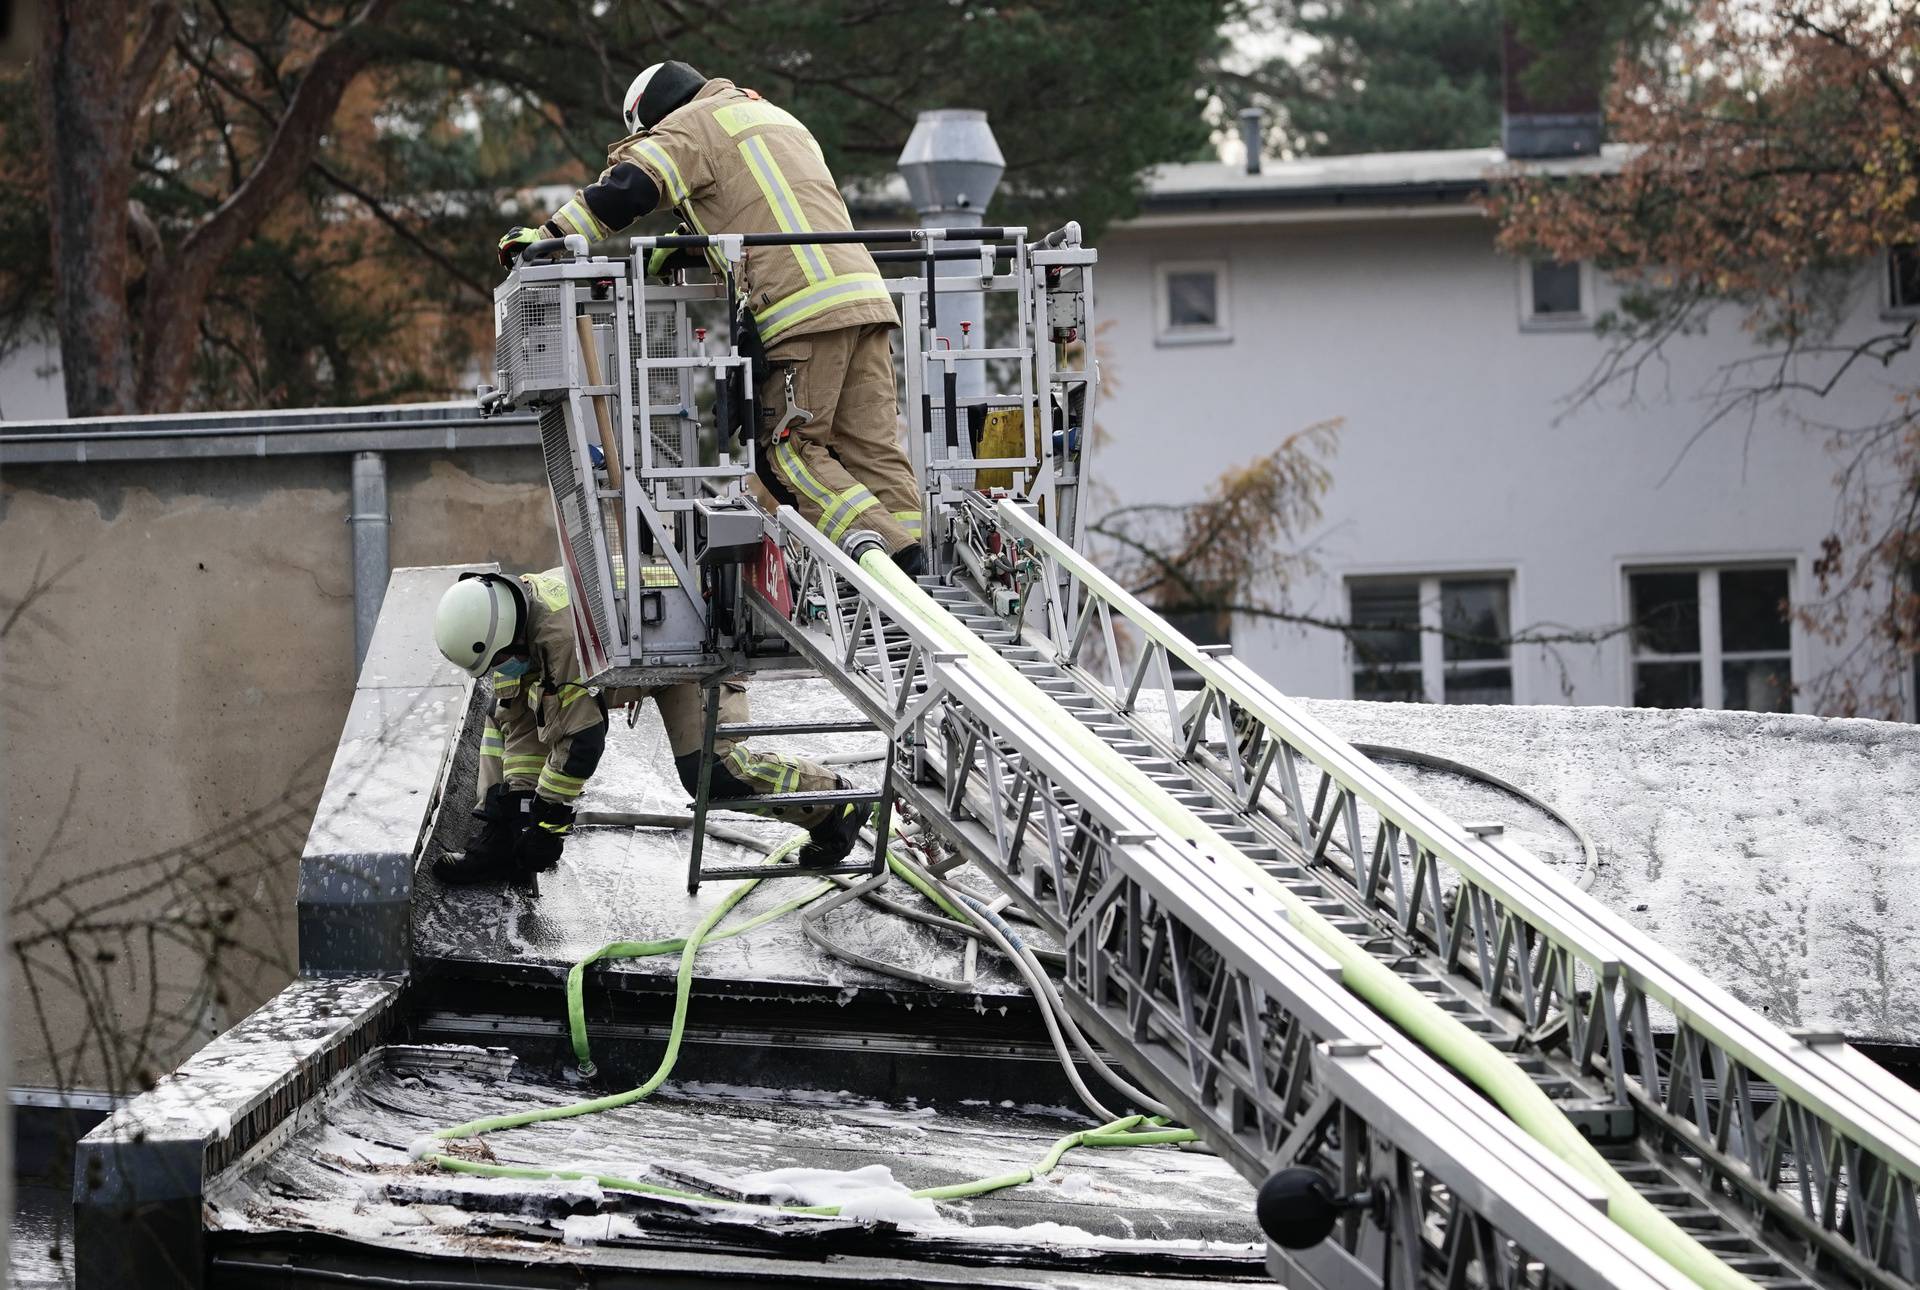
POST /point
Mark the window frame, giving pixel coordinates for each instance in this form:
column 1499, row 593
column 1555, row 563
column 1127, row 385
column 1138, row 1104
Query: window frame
column 1434, row 665
column 1710, row 655
column 1530, row 321
column 1164, row 333
column 1891, row 310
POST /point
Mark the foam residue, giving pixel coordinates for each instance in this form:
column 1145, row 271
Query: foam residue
column 869, row 1194
column 1776, row 853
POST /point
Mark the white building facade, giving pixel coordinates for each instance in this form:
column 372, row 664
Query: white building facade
column 1470, row 494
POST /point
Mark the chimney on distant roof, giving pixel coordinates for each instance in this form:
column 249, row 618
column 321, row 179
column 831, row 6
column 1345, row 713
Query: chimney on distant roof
column 1563, row 122
column 1253, row 129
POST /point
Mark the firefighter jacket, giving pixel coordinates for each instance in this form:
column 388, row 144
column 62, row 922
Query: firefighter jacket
column 731, row 162
column 548, row 727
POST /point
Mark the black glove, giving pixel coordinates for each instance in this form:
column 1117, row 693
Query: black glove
column 668, row 260
column 540, row 843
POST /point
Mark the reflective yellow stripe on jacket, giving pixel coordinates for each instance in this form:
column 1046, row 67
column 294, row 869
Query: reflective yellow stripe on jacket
column 574, row 217
column 843, row 288
column 657, row 157
column 784, row 204
column 561, row 786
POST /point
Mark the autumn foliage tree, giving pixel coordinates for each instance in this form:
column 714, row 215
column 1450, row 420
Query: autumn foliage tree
column 1237, row 549
column 245, row 203
column 1774, row 174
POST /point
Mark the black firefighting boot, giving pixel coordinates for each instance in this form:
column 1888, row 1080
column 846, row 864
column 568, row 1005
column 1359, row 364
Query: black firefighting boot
column 490, row 856
column 830, row 841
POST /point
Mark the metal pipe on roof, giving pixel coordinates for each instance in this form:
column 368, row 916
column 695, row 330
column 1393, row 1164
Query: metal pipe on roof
column 952, row 165
column 368, row 521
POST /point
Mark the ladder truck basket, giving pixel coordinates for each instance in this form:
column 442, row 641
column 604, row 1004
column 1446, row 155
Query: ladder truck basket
column 528, row 355
column 648, row 420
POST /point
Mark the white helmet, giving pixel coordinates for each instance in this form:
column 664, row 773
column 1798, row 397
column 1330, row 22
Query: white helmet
column 478, row 617
column 630, row 106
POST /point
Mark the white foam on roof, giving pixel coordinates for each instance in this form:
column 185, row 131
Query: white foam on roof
column 1368, row 170
column 870, row 1193
column 1778, row 854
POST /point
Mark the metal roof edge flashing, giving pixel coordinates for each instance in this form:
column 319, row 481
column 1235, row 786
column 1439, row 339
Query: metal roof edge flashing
column 388, row 778
column 1332, row 196
column 140, row 1177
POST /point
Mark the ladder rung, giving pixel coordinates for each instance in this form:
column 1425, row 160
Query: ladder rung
column 750, row 729
column 815, row 797
column 783, row 871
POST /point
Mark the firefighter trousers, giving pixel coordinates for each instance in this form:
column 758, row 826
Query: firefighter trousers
column 845, row 469
column 737, row 769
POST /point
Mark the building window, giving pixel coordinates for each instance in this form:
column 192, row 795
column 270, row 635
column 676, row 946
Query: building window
column 1192, row 304
column 1202, row 627
column 1555, row 295
column 1903, row 281
column 1711, row 638
column 1432, row 639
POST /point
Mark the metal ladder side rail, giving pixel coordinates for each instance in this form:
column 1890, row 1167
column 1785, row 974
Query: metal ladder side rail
column 1504, row 1192
column 1826, row 1110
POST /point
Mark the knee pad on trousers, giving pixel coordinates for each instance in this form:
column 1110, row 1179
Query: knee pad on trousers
column 722, row 783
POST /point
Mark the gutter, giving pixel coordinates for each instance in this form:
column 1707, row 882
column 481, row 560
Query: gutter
column 1322, row 196
column 302, row 432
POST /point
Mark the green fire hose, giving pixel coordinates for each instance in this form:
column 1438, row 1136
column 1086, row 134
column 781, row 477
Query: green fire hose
column 1127, row 1131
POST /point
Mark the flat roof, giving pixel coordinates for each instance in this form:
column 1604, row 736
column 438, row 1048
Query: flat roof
column 1446, row 170
column 622, row 882
column 1777, row 854
column 342, row 1193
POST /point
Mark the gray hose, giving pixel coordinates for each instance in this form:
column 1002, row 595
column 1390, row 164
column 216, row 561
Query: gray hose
column 1053, row 1009
column 657, row 820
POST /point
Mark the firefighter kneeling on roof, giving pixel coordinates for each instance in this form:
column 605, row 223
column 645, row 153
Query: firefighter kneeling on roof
column 548, row 729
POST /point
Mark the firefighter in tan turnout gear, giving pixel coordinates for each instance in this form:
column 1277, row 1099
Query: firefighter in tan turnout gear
column 728, row 161
column 548, row 729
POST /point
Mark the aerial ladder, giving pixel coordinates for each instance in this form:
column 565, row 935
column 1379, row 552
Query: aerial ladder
column 1442, row 1063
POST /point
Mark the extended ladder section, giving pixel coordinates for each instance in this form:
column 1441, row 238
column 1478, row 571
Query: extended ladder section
column 1423, row 1043
column 1788, row 1162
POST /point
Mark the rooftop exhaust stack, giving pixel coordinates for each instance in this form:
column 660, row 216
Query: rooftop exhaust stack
column 952, row 165
column 1253, row 129
column 1565, row 122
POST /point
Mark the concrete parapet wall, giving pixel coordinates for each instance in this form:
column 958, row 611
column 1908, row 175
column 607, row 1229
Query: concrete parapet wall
column 356, row 875
column 140, row 1177
column 178, row 665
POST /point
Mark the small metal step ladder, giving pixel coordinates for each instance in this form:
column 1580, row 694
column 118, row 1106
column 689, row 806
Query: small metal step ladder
column 713, row 731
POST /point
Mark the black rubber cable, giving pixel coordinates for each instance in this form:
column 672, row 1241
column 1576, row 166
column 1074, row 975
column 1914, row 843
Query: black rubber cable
column 1590, row 868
